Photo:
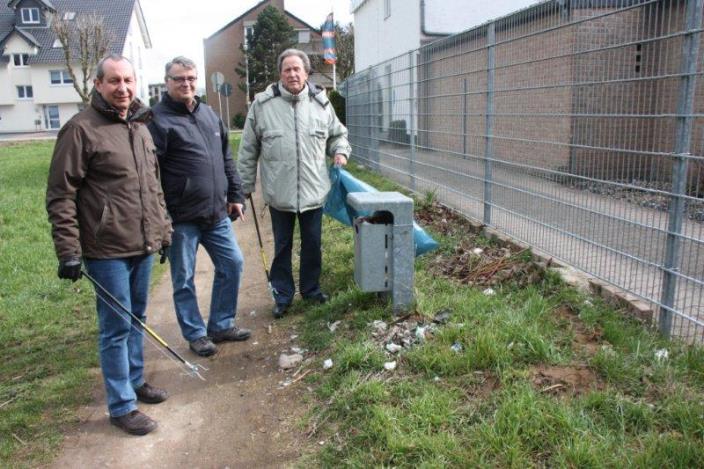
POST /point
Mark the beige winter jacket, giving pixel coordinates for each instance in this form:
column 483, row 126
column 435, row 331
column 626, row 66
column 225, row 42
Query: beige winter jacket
column 290, row 136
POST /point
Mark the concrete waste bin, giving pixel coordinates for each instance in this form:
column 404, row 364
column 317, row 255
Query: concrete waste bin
column 384, row 253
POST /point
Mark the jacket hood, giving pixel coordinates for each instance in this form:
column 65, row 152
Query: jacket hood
column 314, row 91
column 137, row 111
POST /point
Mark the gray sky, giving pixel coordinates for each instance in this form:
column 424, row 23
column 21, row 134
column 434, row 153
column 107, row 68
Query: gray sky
column 177, row 27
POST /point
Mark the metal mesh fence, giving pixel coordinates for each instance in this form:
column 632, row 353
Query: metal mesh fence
column 574, row 126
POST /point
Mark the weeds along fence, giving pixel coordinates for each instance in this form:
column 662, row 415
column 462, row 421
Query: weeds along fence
column 575, row 126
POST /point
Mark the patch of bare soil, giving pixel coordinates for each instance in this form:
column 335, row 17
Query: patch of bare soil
column 559, row 380
column 473, row 263
column 585, row 339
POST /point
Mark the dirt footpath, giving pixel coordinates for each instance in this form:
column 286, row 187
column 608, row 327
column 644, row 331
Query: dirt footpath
column 241, row 416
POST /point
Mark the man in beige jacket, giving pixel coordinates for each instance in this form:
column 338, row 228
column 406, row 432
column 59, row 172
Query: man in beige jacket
column 290, row 129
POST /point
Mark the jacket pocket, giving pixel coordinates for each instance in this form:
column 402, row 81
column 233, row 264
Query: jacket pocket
column 319, row 140
column 271, row 144
column 103, row 221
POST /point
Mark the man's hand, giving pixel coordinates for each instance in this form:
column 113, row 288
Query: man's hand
column 164, row 253
column 70, row 268
column 235, row 211
column 340, row 160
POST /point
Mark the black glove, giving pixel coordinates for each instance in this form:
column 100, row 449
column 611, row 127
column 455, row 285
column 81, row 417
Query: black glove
column 164, row 253
column 70, row 268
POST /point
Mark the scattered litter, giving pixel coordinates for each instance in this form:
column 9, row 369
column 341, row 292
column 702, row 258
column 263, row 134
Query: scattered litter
column 294, row 337
column 334, row 325
column 456, row 347
column 420, row 333
column 285, row 383
column 297, row 350
column 252, row 313
column 442, row 316
column 327, row 364
column 393, row 348
column 390, row 366
column 477, row 251
column 436, row 379
column 489, row 292
column 286, row 362
column 510, row 346
column 268, row 329
column 379, row 327
column 662, row 354
column 255, row 343
column 321, row 442
column 588, row 303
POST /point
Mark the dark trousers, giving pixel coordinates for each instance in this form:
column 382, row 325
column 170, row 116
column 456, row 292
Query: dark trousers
column 310, row 224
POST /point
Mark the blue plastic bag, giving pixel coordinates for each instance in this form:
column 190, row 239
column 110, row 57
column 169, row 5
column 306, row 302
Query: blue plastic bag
column 342, row 183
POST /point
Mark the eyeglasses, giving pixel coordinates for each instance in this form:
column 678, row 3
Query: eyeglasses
column 181, row 80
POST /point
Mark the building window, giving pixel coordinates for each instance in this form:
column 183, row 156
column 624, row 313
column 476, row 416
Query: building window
column 20, row 60
column 387, row 8
column 51, row 117
column 30, row 15
column 25, row 92
column 303, row 36
column 60, row 77
column 248, row 33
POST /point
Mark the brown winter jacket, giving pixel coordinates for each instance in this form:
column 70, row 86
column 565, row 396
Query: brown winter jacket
column 104, row 196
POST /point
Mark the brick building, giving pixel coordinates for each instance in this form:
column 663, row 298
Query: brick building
column 223, row 54
column 597, row 97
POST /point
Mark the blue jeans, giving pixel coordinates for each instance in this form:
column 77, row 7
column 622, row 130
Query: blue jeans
column 310, row 226
column 121, row 337
column 221, row 245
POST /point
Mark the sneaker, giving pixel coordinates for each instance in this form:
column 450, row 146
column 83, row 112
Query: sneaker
column 203, row 346
column 134, row 423
column 279, row 310
column 233, row 334
column 151, row 395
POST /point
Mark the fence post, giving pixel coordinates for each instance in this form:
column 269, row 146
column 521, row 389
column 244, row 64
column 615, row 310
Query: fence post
column 411, row 119
column 685, row 119
column 464, row 118
column 489, row 150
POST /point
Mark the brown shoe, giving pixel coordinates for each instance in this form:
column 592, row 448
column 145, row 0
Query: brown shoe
column 232, row 334
column 151, row 395
column 134, row 423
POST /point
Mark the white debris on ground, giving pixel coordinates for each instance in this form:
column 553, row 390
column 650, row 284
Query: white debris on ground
column 286, row 362
column 333, row 327
column 390, row 366
column 477, row 251
column 327, row 364
column 489, row 292
column 661, row 355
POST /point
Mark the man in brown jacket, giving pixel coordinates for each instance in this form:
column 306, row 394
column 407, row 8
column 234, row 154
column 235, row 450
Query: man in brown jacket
column 106, row 207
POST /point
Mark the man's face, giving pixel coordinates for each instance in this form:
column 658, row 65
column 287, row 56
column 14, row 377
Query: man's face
column 118, row 85
column 181, row 83
column 293, row 74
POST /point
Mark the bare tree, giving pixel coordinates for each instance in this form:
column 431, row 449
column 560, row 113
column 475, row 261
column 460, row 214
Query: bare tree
column 85, row 40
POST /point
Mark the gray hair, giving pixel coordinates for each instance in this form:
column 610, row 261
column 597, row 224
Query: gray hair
column 100, row 68
column 185, row 62
column 297, row 53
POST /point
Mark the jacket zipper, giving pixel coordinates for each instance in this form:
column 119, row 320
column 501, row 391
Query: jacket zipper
column 211, row 162
column 130, row 130
column 298, row 157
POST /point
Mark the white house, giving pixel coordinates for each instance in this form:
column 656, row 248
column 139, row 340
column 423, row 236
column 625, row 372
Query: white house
column 384, row 29
column 36, row 92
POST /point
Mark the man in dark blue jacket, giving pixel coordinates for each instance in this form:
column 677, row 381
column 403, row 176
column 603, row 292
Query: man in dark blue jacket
column 203, row 192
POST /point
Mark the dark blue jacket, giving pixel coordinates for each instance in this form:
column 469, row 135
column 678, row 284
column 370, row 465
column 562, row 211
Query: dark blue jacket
column 197, row 172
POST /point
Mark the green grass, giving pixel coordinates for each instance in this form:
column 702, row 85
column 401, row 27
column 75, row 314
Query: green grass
column 482, row 407
column 48, row 359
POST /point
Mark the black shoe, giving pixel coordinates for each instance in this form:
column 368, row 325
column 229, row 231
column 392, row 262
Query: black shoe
column 134, row 423
column 203, row 346
column 279, row 310
column 319, row 297
column 151, row 395
column 233, row 334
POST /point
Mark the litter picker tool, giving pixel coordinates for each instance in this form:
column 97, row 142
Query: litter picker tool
column 102, row 293
column 261, row 248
